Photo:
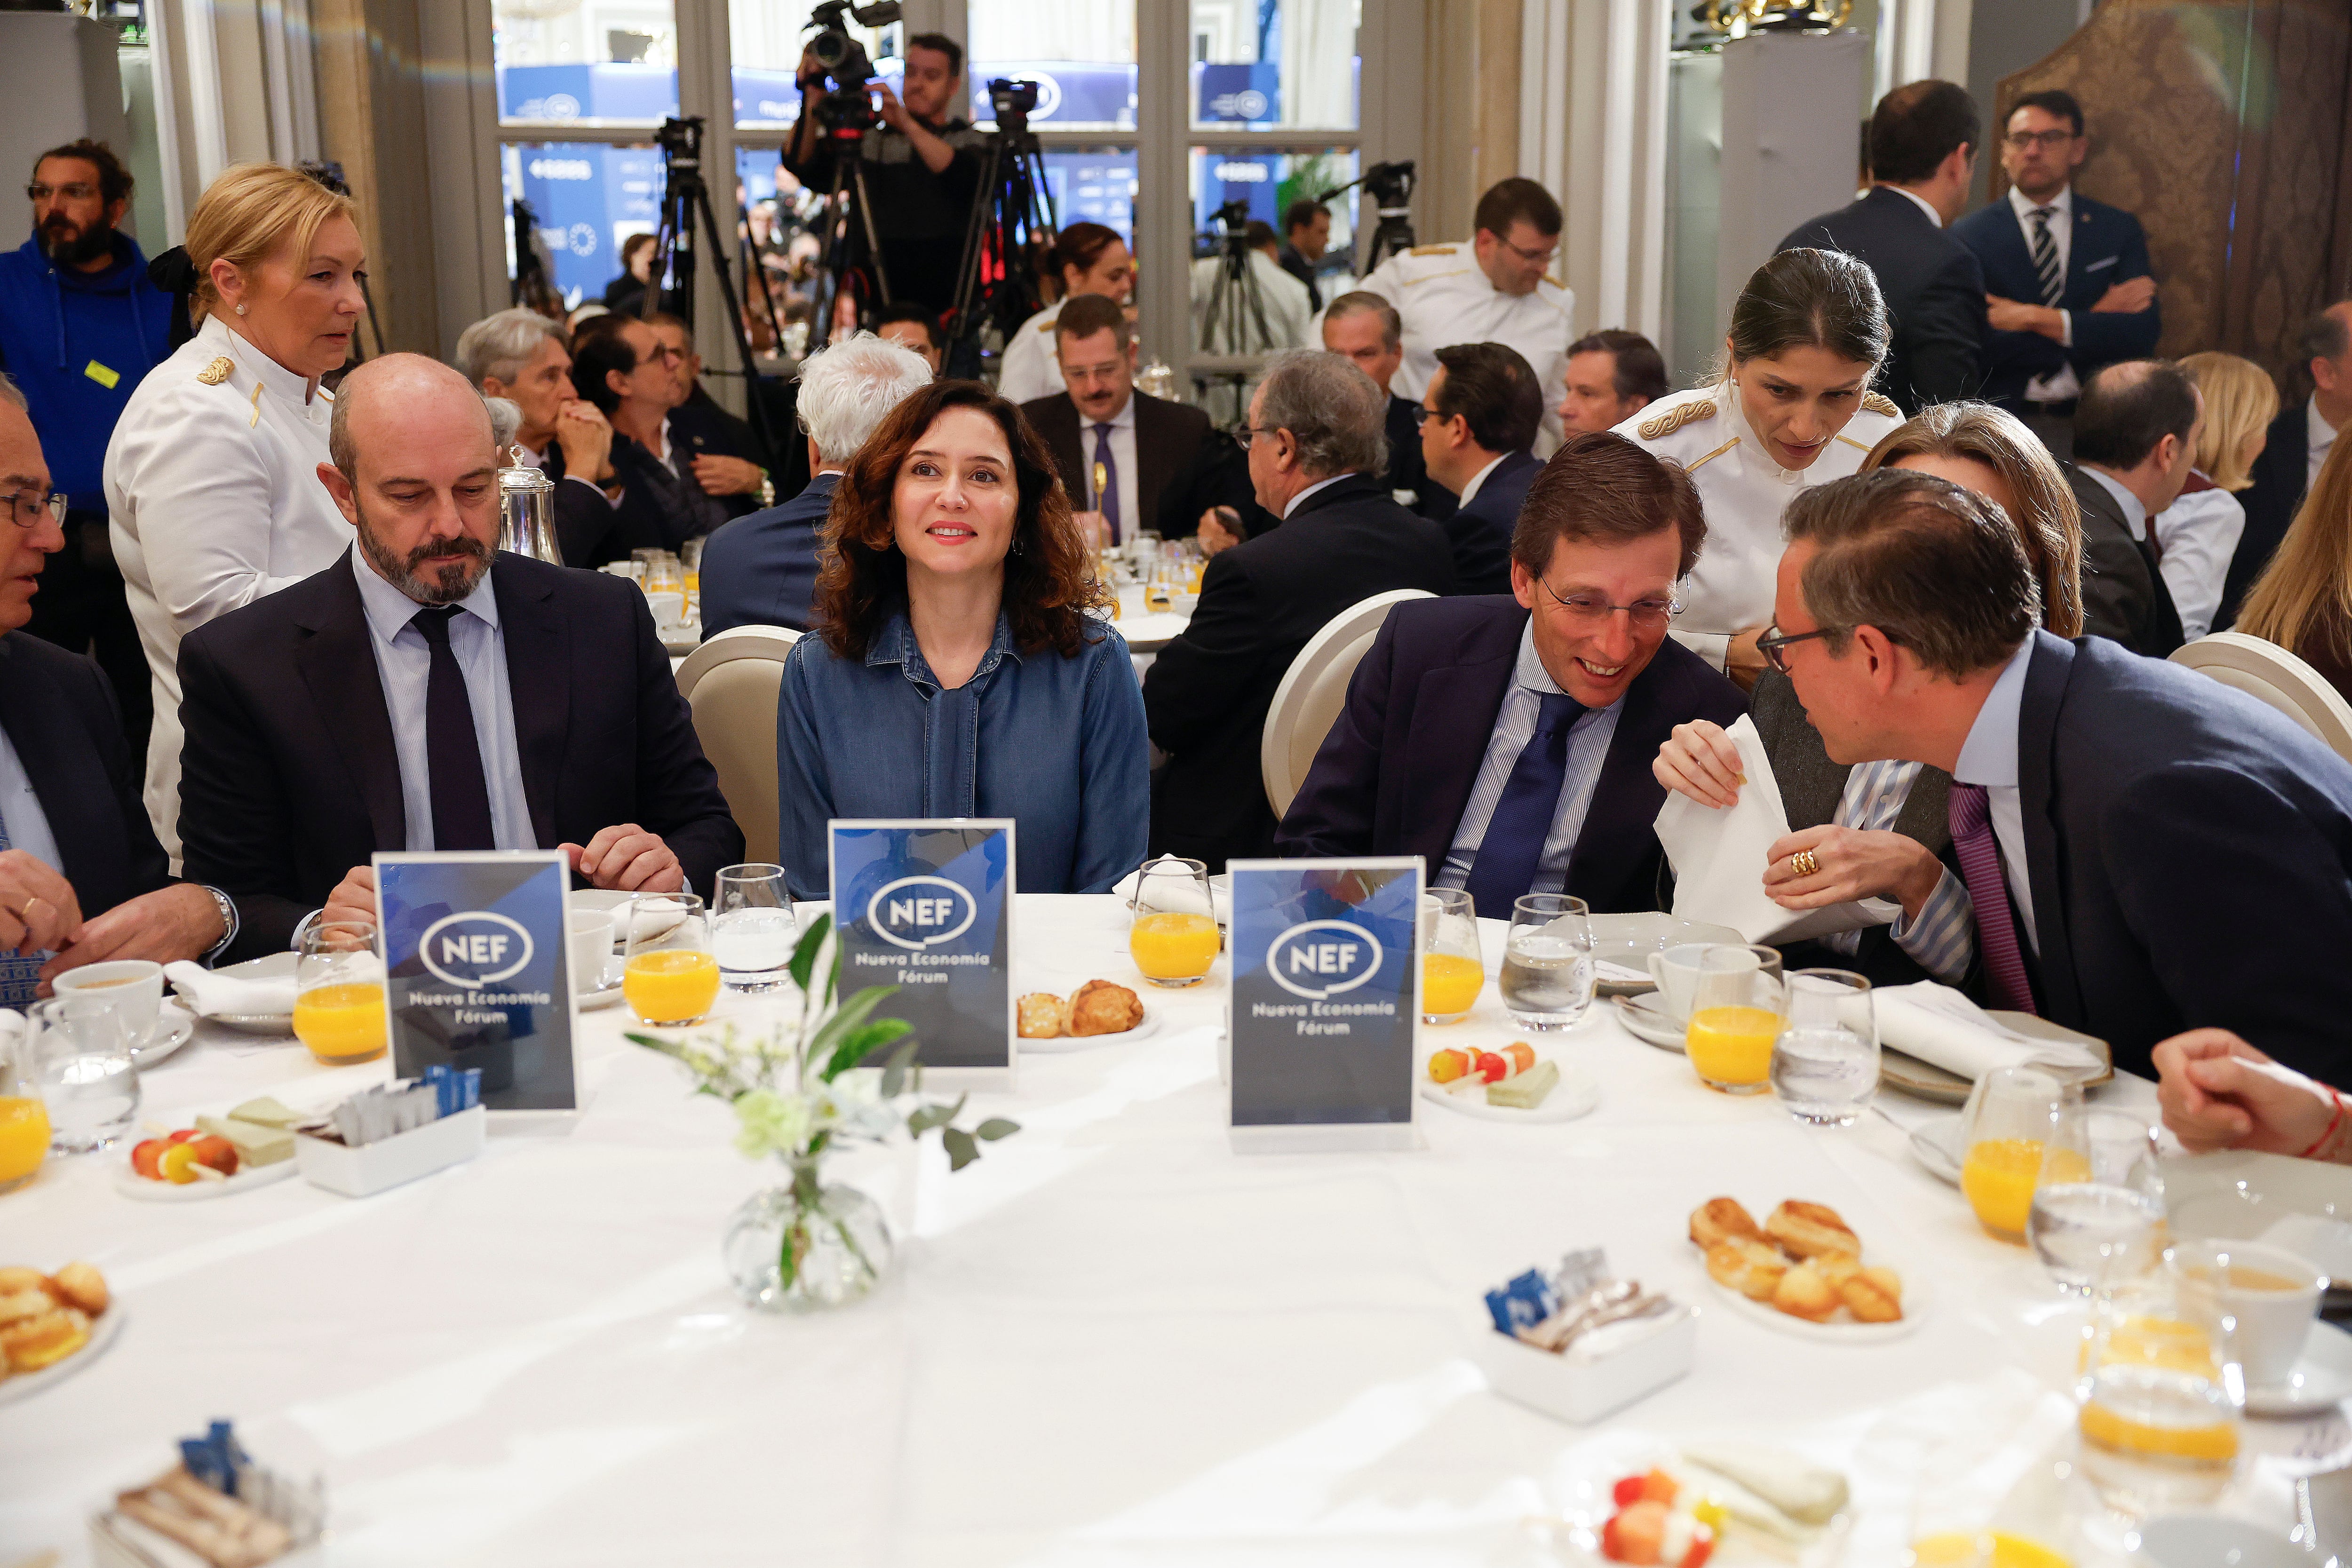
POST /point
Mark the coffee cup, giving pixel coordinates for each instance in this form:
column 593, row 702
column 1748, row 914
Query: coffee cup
column 133, row 987
column 2272, row 1293
column 1676, row 972
column 668, row 606
column 589, row 934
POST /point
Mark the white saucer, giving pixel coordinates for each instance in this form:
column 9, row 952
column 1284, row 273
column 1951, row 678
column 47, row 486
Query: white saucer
column 2321, row 1380
column 1064, row 1043
column 1647, row 1025
column 597, row 1001
column 1575, row 1095
column 175, row 1026
column 1935, row 1144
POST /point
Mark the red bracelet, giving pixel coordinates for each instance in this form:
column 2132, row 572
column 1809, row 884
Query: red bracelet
column 2333, row 1123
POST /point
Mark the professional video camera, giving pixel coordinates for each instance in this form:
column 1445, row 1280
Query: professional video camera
column 1014, row 100
column 846, row 69
column 1391, row 187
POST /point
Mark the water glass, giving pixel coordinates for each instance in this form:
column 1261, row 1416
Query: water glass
column 1737, row 1002
column 2009, row 1121
column 89, row 1077
column 2098, row 1201
column 670, row 976
column 1174, row 937
column 1547, row 969
column 752, row 927
column 1825, row 1063
column 339, row 1004
column 1452, row 969
column 2161, row 1394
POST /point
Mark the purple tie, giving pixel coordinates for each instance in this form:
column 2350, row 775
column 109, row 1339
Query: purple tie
column 1971, row 820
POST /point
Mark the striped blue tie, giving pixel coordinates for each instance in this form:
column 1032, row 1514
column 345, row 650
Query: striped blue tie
column 18, row 976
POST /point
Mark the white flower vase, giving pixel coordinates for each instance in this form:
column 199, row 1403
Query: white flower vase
column 806, row 1246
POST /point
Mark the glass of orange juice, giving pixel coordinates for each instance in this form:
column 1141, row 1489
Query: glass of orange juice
column 24, row 1119
column 1175, row 938
column 671, row 976
column 1737, row 1002
column 2004, row 1129
column 2161, row 1391
column 339, row 1006
column 1453, row 968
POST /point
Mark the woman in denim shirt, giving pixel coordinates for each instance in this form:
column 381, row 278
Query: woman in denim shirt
column 954, row 670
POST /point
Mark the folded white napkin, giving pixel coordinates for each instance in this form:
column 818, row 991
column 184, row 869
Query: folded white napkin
column 212, row 994
column 1719, row 855
column 1945, row 1029
column 1173, row 895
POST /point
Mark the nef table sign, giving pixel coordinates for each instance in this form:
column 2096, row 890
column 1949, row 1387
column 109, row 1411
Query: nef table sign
column 1326, row 993
column 927, row 907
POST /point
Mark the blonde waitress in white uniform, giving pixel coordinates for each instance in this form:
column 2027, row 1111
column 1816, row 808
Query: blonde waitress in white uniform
column 1792, row 407
column 212, row 477
column 1089, row 258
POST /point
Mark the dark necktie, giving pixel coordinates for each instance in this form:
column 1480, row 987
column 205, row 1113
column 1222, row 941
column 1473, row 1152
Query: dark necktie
column 2045, row 258
column 1513, row 847
column 18, row 976
column 461, row 801
column 1106, row 481
column 1970, row 811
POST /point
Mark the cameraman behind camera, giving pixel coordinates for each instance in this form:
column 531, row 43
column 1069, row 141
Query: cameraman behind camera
column 922, row 166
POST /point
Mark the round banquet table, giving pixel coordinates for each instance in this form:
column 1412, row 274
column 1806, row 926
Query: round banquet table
column 1148, row 631
column 1111, row 1342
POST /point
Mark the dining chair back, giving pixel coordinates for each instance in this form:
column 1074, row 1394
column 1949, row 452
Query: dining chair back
column 2271, row 674
column 732, row 682
column 1314, row 689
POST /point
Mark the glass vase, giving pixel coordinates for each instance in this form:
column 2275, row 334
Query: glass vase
column 806, row 1246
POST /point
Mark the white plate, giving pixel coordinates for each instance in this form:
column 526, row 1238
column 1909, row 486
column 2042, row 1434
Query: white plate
column 175, row 1026
column 132, row 1184
column 1064, row 1043
column 1647, row 1025
column 1630, row 939
column 2321, row 1380
column 1575, row 1095
column 597, row 1001
column 269, row 966
column 1935, row 1144
column 1596, row 1464
column 1918, row 1302
column 103, row 1330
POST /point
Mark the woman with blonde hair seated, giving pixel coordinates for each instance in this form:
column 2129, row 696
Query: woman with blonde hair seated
column 2302, row 600
column 2198, row 532
column 1881, row 830
column 212, row 477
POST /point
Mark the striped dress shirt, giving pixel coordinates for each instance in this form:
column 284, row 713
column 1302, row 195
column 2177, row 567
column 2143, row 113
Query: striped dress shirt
column 1942, row 941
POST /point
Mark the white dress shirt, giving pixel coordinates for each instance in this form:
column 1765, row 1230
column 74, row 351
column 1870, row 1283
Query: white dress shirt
column 403, row 661
column 1122, row 452
column 539, row 460
column 1514, row 723
column 1470, row 488
column 2061, row 384
column 1989, row 757
column 2323, row 436
column 1283, row 297
column 1922, row 203
column 2135, row 513
column 1030, row 369
column 1302, row 495
column 213, row 491
column 20, row 808
column 1444, row 297
column 2199, row 533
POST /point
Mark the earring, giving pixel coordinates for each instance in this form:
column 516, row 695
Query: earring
column 240, row 309
column 1017, row 546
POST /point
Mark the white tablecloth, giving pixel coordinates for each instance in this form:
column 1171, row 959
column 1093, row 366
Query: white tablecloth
column 1112, row 1342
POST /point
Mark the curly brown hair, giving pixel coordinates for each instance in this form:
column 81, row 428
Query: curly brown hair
column 1049, row 574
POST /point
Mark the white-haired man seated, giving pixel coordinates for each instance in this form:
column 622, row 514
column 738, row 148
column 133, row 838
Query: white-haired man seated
column 760, row 570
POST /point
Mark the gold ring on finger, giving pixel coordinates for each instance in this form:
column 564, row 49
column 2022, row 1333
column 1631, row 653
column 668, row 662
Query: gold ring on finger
column 1803, row 863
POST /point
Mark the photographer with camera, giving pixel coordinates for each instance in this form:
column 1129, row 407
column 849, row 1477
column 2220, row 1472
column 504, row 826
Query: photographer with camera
column 921, row 161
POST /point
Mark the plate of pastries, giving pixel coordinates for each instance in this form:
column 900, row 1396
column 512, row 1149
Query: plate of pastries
column 1805, row 1273
column 1098, row 1013
column 51, row 1326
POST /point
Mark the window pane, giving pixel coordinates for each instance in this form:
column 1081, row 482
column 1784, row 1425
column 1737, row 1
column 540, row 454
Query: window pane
column 601, row 65
column 586, row 198
column 1085, row 75
column 1095, row 186
column 1267, row 183
column 783, row 236
column 1264, row 63
column 768, row 38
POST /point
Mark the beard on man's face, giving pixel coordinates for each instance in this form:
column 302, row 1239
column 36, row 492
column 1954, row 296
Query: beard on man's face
column 442, row 584
column 70, row 244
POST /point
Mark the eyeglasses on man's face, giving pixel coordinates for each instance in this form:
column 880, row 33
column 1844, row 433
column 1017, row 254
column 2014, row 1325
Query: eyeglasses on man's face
column 26, row 508
column 1774, row 644
column 1590, row 611
column 78, row 191
column 1246, row 434
column 2026, row 140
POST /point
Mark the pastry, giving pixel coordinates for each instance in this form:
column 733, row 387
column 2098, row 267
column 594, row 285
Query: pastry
column 32, row 1343
column 1041, row 1014
column 1099, row 1007
column 19, row 1305
column 1808, row 1230
column 1748, row 1267
column 1803, row 1293
column 15, row 1279
column 81, row 1285
column 1869, row 1300
column 1837, row 1268
column 1722, row 1219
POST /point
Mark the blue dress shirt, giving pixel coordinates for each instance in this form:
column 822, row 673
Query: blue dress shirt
column 1057, row 744
column 405, row 661
column 1587, row 748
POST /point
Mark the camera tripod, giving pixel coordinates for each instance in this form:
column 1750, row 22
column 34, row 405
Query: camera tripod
column 994, row 282
column 1235, row 305
column 1391, row 187
column 852, row 260
column 684, row 198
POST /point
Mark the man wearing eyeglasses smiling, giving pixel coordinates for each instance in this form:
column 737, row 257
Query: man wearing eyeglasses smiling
column 1507, row 739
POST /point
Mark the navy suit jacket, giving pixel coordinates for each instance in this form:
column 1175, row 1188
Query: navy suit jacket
column 1480, row 533
column 2107, row 248
column 1395, row 773
column 2189, row 852
column 1933, row 288
column 2280, row 476
column 59, row 713
column 760, row 570
column 291, row 776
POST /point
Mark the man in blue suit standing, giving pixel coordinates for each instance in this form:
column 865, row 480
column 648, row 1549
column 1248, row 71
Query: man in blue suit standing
column 760, row 570
column 2066, row 279
column 1478, row 420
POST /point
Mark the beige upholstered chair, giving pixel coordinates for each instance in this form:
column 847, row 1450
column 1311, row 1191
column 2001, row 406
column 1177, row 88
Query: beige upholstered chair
column 2268, row 672
column 1314, row 689
column 731, row 682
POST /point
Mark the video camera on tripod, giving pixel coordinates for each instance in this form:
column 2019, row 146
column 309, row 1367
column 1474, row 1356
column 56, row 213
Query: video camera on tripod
column 845, row 110
column 1391, row 187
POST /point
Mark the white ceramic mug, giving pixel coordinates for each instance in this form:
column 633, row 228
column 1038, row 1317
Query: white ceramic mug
column 2273, row 1294
column 590, row 935
column 133, row 985
column 1675, row 972
column 668, row 607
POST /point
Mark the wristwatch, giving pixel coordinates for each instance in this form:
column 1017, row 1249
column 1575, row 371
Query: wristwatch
column 229, row 921
column 767, row 489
